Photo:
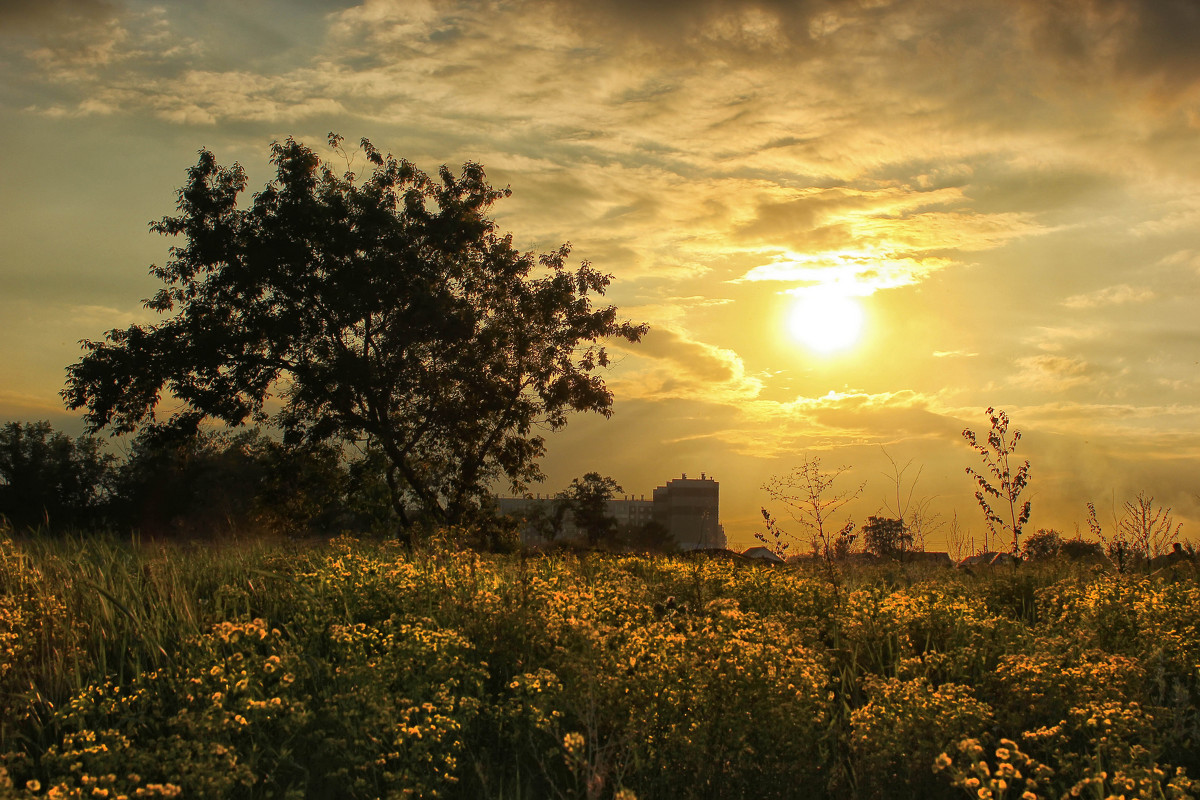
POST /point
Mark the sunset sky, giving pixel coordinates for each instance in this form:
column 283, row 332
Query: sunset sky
column 1007, row 191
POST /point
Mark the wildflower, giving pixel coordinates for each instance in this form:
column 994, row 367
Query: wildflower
column 33, row 785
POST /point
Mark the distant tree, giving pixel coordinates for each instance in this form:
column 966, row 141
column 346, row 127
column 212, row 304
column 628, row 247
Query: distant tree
column 807, row 494
column 959, row 541
column 304, row 487
column 587, row 498
column 188, row 483
column 208, row 482
column 1078, row 549
column 886, row 536
column 1043, row 545
column 387, row 309
column 547, row 519
column 1005, row 483
column 920, row 520
column 1146, row 530
column 50, row 479
column 651, row 536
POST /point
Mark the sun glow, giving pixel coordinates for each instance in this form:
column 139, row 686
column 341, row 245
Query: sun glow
column 826, row 320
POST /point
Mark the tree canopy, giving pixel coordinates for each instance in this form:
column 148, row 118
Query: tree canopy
column 385, row 308
column 587, row 498
column 48, row 478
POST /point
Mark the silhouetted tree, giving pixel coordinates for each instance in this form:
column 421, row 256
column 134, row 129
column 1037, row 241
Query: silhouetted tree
column 547, row 519
column 886, row 536
column 588, row 497
column 48, row 478
column 807, row 493
column 388, row 308
column 651, row 536
column 1042, row 545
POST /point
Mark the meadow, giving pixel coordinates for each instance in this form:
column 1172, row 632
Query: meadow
column 360, row 669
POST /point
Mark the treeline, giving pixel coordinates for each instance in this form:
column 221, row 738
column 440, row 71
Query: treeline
column 173, row 484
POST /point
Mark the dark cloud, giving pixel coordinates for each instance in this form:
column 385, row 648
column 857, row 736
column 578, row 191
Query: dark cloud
column 41, row 15
column 798, row 214
column 694, row 358
column 1146, row 38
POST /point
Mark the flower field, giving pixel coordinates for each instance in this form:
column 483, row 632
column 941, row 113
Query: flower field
column 361, row 670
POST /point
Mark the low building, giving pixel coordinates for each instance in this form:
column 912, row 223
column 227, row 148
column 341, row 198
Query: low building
column 763, row 554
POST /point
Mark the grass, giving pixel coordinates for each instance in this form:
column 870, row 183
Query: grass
column 357, row 669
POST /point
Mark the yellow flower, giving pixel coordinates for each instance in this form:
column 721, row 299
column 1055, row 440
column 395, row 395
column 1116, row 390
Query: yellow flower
column 33, row 785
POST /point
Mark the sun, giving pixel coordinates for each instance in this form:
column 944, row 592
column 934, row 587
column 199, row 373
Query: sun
column 825, row 320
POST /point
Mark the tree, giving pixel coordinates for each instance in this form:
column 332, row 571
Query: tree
column 49, row 478
column 1144, row 530
column 387, row 310
column 1008, row 483
column 209, row 481
column 1043, row 545
column 886, row 536
column 587, row 498
column 651, row 536
column 807, row 495
column 545, row 519
column 915, row 514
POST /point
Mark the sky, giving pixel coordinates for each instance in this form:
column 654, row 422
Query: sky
column 1006, row 191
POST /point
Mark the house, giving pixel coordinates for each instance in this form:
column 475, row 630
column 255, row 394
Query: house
column 763, row 554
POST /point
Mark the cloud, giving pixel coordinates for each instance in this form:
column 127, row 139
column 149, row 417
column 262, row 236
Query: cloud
column 1121, row 294
column 857, row 273
column 1055, row 338
column 668, row 364
column 1144, row 39
column 1052, row 373
column 34, row 16
column 838, row 419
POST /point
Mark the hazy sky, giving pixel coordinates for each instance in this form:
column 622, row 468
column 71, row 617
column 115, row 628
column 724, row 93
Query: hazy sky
column 1009, row 190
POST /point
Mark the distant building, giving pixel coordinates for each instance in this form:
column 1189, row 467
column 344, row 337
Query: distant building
column 687, row 508
column 690, row 511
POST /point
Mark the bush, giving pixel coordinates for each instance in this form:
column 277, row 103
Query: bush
column 1044, row 545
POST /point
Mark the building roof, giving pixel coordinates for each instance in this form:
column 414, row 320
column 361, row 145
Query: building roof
column 763, row 553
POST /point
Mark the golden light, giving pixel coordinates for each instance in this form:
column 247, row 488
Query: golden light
column 826, row 320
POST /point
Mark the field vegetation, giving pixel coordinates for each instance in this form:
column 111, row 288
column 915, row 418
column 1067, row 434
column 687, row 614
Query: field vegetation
column 359, row 668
